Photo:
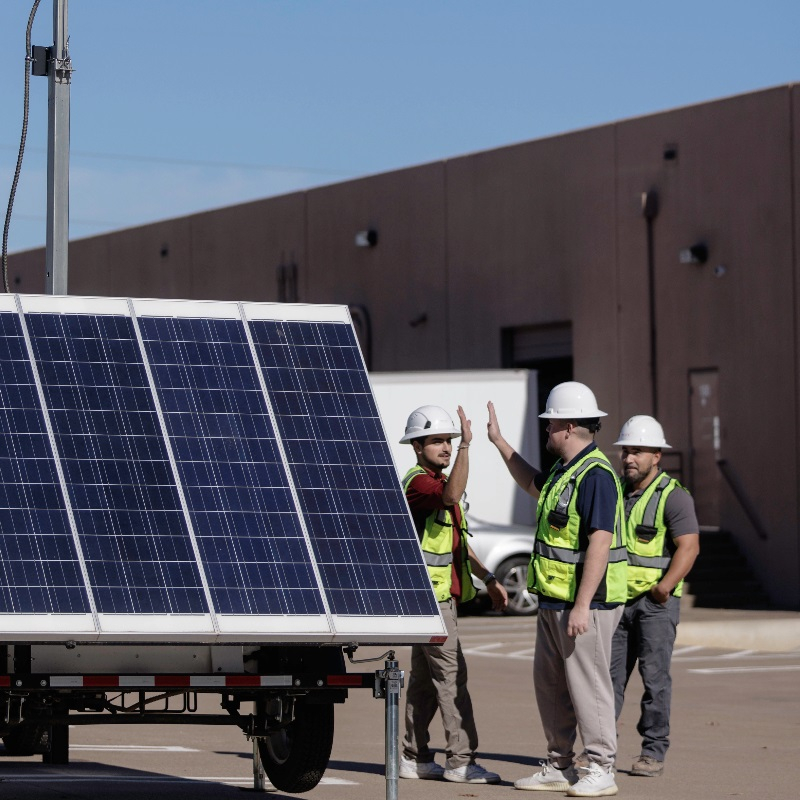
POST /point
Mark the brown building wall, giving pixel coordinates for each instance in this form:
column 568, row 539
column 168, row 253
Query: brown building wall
column 729, row 187
column 402, row 281
column 546, row 232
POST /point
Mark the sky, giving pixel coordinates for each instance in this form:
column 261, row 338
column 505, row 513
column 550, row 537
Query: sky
column 179, row 106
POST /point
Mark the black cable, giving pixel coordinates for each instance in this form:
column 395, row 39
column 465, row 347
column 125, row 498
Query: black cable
column 21, row 143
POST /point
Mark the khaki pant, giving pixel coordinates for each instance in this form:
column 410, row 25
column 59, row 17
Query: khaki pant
column 573, row 686
column 438, row 680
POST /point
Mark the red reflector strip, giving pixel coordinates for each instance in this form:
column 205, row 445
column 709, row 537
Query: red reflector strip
column 171, row 680
column 344, row 680
column 100, row 680
column 243, row 680
column 438, row 639
column 5, row 680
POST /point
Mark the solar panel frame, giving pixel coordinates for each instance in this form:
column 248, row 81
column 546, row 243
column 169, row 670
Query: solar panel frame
column 391, row 599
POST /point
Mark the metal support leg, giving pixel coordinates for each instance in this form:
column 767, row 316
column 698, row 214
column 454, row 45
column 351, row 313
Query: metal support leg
column 388, row 682
column 58, row 752
column 259, row 778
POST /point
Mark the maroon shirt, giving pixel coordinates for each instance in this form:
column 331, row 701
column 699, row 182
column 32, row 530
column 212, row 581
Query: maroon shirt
column 424, row 496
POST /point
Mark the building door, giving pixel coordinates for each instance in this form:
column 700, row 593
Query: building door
column 705, row 444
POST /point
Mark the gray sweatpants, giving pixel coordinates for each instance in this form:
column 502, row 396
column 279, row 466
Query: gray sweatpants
column 438, row 680
column 573, row 686
column 646, row 634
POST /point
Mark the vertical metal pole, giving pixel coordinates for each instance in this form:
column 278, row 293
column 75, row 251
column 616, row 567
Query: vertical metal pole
column 650, row 212
column 59, row 78
column 393, row 679
column 258, row 769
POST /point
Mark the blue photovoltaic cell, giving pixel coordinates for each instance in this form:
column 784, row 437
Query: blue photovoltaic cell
column 235, row 485
column 126, row 506
column 39, row 566
column 357, row 518
column 227, row 515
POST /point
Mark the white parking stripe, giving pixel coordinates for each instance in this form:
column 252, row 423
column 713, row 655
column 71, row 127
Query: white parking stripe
column 719, row 670
column 683, row 650
column 526, row 654
column 110, row 778
column 481, row 648
column 137, row 748
column 754, row 655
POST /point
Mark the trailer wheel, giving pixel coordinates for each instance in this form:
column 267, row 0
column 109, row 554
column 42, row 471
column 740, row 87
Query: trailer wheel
column 296, row 757
column 24, row 739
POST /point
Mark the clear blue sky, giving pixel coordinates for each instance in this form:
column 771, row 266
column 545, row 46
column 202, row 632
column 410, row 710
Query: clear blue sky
column 184, row 105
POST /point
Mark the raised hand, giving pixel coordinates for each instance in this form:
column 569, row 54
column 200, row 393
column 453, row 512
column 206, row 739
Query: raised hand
column 466, row 427
column 492, row 428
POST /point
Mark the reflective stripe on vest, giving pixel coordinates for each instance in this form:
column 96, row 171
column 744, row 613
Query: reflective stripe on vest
column 437, row 559
column 661, row 563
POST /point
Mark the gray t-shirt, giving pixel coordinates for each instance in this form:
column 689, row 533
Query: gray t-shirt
column 679, row 513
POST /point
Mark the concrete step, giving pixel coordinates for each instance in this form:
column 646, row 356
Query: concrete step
column 722, row 577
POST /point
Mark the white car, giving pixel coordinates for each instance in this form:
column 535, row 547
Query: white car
column 506, row 551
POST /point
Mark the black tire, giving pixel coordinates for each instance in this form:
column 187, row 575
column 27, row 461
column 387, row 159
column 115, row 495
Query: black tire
column 25, row 740
column 513, row 574
column 296, row 757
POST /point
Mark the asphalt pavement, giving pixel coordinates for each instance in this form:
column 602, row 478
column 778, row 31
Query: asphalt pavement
column 735, row 727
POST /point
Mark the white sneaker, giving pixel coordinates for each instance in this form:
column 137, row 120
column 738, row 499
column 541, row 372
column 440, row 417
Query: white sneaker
column 549, row 779
column 595, row 781
column 471, row 773
column 422, row 770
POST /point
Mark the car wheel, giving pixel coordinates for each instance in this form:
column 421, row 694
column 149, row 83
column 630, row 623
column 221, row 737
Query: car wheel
column 513, row 574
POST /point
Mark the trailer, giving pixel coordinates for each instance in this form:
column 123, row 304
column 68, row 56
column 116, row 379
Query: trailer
column 197, row 498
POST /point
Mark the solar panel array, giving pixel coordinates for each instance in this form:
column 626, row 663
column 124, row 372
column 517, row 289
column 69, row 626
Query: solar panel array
column 196, row 471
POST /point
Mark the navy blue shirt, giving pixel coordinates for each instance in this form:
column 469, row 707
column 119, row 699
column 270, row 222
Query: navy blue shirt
column 596, row 504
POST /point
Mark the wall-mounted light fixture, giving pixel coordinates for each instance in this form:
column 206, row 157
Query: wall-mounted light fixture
column 696, row 254
column 368, row 238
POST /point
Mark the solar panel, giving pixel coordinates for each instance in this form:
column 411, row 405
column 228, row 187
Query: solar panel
column 198, row 471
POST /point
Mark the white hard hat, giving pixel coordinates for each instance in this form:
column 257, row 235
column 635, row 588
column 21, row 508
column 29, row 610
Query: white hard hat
column 429, row 421
column 642, row 431
column 571, row 400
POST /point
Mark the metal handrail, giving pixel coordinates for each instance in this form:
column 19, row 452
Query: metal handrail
column 739, row 493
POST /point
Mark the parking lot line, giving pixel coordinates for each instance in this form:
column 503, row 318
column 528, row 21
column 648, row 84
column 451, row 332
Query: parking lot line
column 720, row 670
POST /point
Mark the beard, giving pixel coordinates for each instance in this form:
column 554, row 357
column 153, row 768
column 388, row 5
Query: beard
column 634, row 476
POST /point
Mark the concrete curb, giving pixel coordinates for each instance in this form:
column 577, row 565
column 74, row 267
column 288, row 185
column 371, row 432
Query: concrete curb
column 768, row 635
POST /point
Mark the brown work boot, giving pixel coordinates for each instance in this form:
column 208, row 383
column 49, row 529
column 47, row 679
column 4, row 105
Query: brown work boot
column 647, row 767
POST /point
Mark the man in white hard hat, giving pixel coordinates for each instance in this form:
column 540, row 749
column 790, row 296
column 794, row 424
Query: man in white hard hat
column 663, row 542
column 578, row 570
column 438, row 676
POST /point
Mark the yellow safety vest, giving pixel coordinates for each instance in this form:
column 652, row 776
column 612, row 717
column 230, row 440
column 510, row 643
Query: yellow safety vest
column 650, row 550
column 437, row 548
column 556, row 551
